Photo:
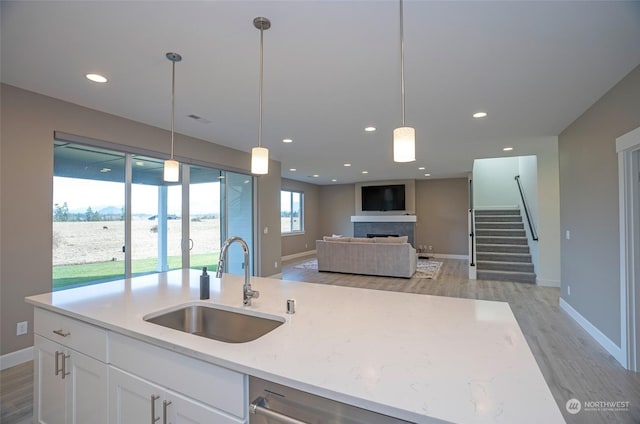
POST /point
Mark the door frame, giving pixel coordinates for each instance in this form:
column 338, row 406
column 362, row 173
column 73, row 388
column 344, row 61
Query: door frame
column 628, row 149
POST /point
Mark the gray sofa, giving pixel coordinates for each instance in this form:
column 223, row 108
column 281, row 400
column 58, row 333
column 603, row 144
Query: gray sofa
column 384, row 256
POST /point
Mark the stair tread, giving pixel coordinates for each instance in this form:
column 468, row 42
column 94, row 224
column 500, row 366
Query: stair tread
column 482, row 261
column 507, row 272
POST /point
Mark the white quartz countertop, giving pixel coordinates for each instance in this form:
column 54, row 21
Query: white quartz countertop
column 417, row 357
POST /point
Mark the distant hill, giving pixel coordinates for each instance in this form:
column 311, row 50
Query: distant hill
column 111, row 210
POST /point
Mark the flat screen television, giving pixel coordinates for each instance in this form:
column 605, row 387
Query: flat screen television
column 383, row 198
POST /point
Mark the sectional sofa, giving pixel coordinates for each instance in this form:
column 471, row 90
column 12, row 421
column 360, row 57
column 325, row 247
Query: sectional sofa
column 383, row 256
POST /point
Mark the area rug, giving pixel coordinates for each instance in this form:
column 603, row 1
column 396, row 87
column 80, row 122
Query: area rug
column 425, row 269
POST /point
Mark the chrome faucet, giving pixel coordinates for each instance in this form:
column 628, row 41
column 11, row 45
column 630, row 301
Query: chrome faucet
column 247, row 293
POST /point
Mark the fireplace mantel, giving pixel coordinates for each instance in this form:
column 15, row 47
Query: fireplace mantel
column 383, row 218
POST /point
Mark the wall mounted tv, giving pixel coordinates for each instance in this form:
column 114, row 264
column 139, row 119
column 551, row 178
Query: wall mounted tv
column 383, row 198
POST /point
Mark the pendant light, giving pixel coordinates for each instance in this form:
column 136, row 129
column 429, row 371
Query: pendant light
column 404, row 138
column 260, row 155
column 171, row 166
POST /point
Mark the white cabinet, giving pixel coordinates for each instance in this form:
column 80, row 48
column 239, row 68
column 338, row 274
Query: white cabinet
column 143, row 376
column 134, row 400
column 86, row 374
column 71, row 388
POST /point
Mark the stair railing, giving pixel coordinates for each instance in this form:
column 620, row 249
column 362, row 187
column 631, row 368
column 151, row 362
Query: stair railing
column 472, row 225
column 534, row 234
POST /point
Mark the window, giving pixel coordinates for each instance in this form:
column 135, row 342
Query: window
column 291, row 212
column 99, row 235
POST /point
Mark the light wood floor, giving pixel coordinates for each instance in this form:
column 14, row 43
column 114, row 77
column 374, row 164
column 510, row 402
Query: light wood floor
column 572, row 363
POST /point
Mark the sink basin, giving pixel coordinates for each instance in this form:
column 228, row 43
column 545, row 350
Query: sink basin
column 216, row 323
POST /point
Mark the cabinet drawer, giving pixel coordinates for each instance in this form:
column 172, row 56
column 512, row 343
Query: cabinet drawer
column 85, row 338
column 210, row 384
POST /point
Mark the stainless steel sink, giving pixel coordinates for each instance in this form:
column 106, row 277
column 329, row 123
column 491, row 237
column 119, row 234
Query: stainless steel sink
column 215, row 323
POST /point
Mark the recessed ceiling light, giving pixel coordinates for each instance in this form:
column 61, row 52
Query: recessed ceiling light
column 96, row 78
column 365, row 172
column 287, row 140
column 347, row 164
column 105, row 170
column 421, row 168
column 427, row 175
column 140, row 163
column 507, row 149
column 480, row 115
column 370, row 129
column 292, row 169
column 333, row 180
column 315, row 175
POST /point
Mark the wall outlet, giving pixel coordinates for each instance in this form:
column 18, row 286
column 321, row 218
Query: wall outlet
column 275, row 264
column 22, row 328
column 430, row 248
column 567, row 235
column 306, row 245
column 569, row 290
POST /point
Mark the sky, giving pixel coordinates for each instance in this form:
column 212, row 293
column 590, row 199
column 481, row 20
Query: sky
column 81, row 194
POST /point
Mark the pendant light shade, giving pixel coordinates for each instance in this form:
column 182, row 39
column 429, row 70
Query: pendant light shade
column 259, row 161
column 260, row 155
column 171, row 166
column 404, row 138
column 404, row 144
column 171, row 171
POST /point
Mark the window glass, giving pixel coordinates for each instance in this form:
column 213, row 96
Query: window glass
column 88, row 215
column 291, row 211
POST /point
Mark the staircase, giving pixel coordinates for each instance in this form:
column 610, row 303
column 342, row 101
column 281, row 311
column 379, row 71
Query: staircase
column 502, row 247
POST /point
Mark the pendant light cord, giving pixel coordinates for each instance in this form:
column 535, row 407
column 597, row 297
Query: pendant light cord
column 261, row 79
column 173, row 95
column 402, row 60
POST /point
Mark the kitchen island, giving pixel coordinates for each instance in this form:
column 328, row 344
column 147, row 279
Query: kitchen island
column 415, row 357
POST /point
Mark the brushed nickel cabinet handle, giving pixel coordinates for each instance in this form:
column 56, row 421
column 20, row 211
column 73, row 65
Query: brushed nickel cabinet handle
column 165, row 406
column 153, row 408
column 57, row 363
column 61, row 332
column 64, row 365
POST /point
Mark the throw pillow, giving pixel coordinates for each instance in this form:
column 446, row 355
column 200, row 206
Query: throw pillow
column 341, row 239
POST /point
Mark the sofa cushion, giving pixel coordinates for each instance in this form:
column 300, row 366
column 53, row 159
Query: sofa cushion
column 403, row 239
column 361, row 240
column 342, row 239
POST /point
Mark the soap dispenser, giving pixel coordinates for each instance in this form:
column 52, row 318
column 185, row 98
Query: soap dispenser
column 204, row 284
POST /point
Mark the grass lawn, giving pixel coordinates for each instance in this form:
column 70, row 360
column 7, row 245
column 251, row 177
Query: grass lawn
column 67, row 276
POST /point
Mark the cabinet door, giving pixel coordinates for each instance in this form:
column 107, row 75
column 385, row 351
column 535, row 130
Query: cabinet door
column 50, row 403
column 183, row 410
column 87, row 389
column 131, row 400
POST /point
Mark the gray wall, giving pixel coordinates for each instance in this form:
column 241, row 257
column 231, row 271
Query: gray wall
column 589, row 205
column 298, row 243
column 337, row 205
column 442, row 207
column 26, row 174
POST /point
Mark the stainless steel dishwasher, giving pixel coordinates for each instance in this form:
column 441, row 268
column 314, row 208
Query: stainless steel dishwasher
column 273, row 403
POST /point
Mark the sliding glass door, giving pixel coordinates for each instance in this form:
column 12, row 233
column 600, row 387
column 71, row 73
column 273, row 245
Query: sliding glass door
column 103, row 197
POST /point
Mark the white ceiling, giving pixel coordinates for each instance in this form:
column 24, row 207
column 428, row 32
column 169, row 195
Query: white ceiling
column 332, row 68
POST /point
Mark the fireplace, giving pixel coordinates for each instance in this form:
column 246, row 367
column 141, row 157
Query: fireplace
column 384, row 226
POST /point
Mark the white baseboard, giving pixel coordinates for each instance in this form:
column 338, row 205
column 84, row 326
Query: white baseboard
column 16, row 358
column 547, row 283
column 277, row 276
column 593, row 331
column 298, row 255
